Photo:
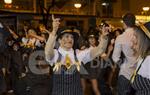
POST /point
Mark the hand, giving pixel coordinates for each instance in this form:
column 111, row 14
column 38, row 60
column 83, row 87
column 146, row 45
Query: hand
column 22, row 75
column 55, row 24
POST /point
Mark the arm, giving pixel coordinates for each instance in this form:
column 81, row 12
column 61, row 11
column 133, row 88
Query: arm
column 37, row 37
column 117, row 51
column 46, row 30
column 97, row 51
column 106, row 56
column 49, row 48
column 13, row 33
column 100, row 48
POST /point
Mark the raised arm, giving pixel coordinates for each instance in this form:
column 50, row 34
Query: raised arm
column 49, row 48
column 13, row 33
column 97, row 51
column 37, row 37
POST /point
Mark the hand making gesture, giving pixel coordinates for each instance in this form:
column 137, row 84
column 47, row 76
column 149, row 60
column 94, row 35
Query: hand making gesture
column 55, row 24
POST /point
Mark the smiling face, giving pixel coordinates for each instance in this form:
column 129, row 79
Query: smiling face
column 66, row 41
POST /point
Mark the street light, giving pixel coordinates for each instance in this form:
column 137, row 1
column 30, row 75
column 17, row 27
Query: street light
column 146, row 9
column 8, row 1
column 77, row 5
column 105, row 4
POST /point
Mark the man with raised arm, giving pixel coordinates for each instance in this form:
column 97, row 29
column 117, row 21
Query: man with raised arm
column 66, row 60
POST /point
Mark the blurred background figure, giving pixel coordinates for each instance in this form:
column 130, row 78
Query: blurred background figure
column 141, row 45
column 3, row 58
column 92, row 67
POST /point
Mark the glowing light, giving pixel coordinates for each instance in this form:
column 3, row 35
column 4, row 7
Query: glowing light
column 8, row 1
column 145, row 8
column 77, row 5
column 105, row 4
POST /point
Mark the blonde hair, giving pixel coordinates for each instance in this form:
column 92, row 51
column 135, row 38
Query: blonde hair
column 143, row 42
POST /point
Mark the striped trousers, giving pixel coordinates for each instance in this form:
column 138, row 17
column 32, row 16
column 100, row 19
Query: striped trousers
column 123, row 85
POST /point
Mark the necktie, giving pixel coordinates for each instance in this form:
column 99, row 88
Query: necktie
column 68, row 61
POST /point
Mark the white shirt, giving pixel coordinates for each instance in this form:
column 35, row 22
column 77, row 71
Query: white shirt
column 34, row 41
column 144, row 71
column 124, row 43
column 83, row 56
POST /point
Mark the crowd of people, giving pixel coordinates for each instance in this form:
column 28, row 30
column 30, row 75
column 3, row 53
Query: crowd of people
column 62, row 61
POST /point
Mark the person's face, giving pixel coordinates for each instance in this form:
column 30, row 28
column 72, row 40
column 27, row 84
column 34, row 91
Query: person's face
column 42, row 28
column 106, row 29
column 15, row 47
column 42, row 35
column 67, row 41
column 92, row 41
column 117, row 33
column 25, row 28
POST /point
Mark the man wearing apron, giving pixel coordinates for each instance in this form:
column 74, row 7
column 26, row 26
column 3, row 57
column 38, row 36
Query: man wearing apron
column 66, row 60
